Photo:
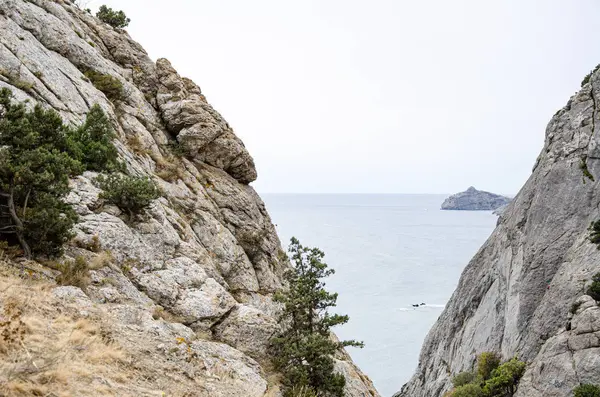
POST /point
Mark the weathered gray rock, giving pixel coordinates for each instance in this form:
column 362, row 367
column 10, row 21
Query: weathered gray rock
column 474, row 200
column 243, row 327
column 500, row 210
column 205, row 259
column 515, row 295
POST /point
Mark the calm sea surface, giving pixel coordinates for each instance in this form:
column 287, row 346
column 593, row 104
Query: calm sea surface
column 389, row 252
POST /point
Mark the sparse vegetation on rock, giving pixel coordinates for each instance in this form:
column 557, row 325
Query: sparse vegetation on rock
column 584, row 169
column 588, row 76
column 594, row 289
column 594, row 235
column 303, row 351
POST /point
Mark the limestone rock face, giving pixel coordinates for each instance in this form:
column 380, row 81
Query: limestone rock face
column 474, row 200
column 515, row 295
column 188, row 285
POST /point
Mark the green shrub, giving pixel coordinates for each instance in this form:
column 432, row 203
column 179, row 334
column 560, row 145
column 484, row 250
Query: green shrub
column 133, row 194
column 594, row 236
column 463, row 378
column 109, row 85
column 492, row 380
column 486, row 363
column 48, row 225
column 594, row 289
column 303, row 351
column 586, row 390
column 504, row 379
column 92, row 142
column 116, row 19
column 468, row 390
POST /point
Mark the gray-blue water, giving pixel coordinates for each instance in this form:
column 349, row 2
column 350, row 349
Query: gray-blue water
column 389, row 252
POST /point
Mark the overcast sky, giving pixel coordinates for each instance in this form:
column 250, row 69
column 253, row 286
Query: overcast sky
column 379, row 96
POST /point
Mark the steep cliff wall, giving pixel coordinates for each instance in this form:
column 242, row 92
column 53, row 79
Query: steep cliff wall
column 187, row 295
column 515, row 294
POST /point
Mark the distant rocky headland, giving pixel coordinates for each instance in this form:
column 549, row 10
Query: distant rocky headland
column 475, row 200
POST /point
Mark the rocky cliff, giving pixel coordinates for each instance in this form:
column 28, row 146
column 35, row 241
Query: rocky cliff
column 474, row 200
column 515, row 295
column 184, row 295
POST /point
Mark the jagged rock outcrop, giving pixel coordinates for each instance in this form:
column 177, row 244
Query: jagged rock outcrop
column 474, row 200
column 515, row 295
column 189, row 284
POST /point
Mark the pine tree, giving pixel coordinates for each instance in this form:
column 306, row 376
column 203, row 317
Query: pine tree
column 305, row 348
column 38, row 154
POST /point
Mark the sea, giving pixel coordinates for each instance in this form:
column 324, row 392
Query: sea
column 390, row 252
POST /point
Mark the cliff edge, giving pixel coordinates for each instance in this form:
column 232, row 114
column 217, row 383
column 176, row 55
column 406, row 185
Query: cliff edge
column 516, row 294
column 180, row 302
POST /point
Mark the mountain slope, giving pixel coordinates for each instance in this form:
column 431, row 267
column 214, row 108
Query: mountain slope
column 189, row 286
column 515, row 295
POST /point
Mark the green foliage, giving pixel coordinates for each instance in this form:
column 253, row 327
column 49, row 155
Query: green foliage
column 134, row 194
column 48, row 225
column 39, row 154
column 594, row 289
column 35, row 164
column 116, row 19
column 504, row 379
column 486, row 363
column 463, row 378
column 92, row 142
column 109, row 85
column 586, row 390
column 588, row 76
column 303, row 351
column 492, row 379
column 468, row 390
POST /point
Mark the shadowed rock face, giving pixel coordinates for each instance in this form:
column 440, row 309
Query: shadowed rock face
column 474, row 200
column 206, row 254
column 515, row 295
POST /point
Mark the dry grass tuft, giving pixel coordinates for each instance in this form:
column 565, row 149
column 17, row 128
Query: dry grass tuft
column 170, row 169
column 44, row 351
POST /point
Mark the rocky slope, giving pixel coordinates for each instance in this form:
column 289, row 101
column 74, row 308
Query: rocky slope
column 515, row 295
column 186, row 292
column 474, row 200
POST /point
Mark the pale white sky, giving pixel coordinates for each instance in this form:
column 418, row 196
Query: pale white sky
column 384, row 96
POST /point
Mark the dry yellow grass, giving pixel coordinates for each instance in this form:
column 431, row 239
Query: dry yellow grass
column 45, row 351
